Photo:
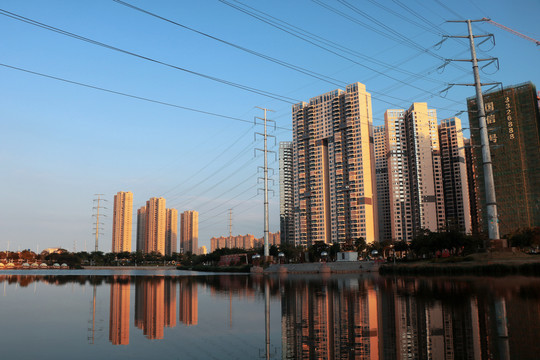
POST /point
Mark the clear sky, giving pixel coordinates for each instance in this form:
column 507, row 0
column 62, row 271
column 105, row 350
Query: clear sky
column 61, row 143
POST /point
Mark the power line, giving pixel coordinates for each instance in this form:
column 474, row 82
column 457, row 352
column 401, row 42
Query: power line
column 209, row 163
column 131, row 96
column 110, row 47
column 289, row 65
column 253, row 52
column 312, row 39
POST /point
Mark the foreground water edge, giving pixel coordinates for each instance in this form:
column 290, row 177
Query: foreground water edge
column 200, row 315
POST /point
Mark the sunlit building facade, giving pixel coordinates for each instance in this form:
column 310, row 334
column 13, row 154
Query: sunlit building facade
column 189, row 231
column 156, row 224
column 171, row 234
column 414, row 171
column 333, row 168
column 141, row 229
column 243, row 241
column 122, row 222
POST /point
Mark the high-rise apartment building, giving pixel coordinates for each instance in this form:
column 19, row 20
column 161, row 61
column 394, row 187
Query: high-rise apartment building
column 513, row 122
column 171, row 234
column 381, row 171
column 155, row 226
column 414, row 171
column 333, row 168
column 122, row 222
column 189, row 231
column 454, row 171
column 286, row 193
column 141, row 229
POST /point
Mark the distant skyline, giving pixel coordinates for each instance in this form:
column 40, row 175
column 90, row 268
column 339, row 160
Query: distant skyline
column 60, row 142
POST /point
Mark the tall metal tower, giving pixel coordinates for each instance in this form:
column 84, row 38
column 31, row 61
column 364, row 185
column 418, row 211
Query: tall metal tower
column 491, row 203
column 97, row 207
column 265, row 170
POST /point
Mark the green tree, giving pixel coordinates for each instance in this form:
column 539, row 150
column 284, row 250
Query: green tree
column 360, row 244
column 273, row 251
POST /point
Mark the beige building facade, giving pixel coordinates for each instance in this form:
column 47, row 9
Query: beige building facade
column 141, row 229
column 189, row 231
column 122, row 222
column 155, row 226
column 171, row 235
column 333, row 168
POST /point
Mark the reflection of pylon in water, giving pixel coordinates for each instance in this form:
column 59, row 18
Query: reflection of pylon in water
column 268, row 354
column 92, row 328
column 94, row 325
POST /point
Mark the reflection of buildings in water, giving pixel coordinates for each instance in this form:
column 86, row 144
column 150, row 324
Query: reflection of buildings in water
column 352, row 319
column 119, row 313
column 188, row 302
column 170, row 303
column 439, row 320
column 329, row 322
column 155, row 303
column 428, row 329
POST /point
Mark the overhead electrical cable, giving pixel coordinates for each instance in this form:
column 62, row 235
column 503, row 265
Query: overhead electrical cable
column 239, row 47
column 132, row 96
column 110, row 47
column 289, row 65
column 308, row 39
column 209, row 163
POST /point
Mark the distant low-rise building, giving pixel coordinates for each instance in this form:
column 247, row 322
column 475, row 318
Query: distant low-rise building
column 243, row 241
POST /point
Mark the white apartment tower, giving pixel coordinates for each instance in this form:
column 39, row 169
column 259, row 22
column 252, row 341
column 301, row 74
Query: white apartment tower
column 414, row 171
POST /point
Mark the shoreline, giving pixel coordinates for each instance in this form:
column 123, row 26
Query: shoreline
column 495, row 264
column 157, row 267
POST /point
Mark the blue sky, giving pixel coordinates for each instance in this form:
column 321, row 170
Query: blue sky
column 61, row 143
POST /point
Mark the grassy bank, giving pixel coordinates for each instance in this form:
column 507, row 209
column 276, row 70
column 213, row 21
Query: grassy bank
column 496, row 264
column 227, row 269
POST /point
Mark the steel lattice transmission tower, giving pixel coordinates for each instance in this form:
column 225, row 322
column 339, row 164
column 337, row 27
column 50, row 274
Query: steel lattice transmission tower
column 265, row 170
column 97, row 206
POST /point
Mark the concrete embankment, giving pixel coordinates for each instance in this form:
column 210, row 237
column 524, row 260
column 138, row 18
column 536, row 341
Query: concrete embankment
column 173, row 267
column 341, row 267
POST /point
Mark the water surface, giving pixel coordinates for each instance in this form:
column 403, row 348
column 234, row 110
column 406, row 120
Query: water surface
column 182, row 315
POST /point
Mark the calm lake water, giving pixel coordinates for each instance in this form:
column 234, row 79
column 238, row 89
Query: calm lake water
column 182, row 315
